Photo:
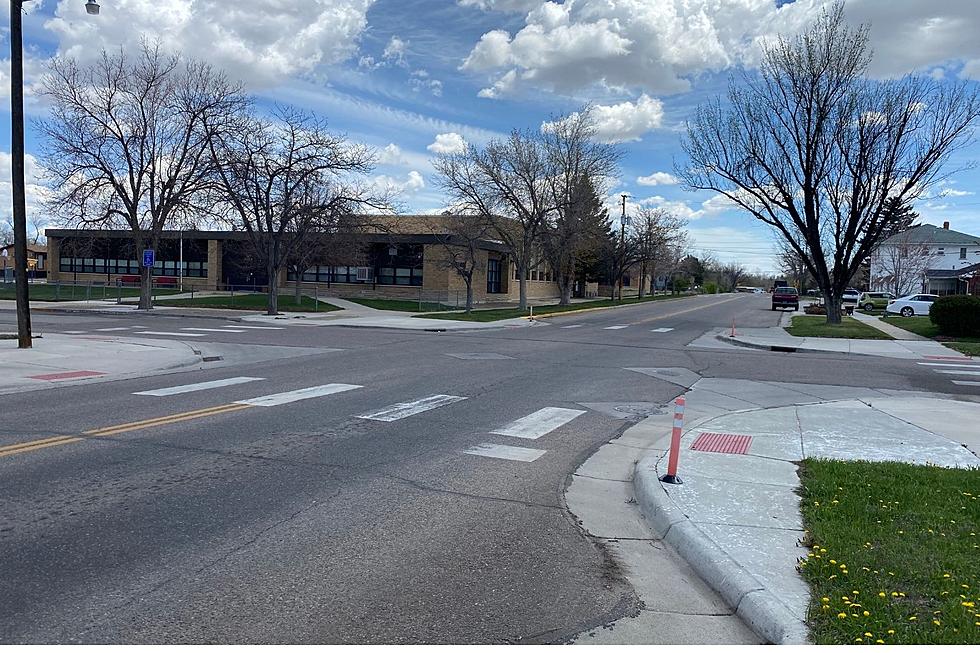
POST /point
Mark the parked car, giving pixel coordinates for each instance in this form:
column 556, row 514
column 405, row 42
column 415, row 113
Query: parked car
column 785, row 297
column 870, row 301
column 757, row 291
column 850, row 298
column 911, row 305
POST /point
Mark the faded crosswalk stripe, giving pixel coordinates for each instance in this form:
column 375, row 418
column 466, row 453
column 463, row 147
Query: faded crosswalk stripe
column 975, row 367
column 958, row 372
column 260, row 327
column 571, row 326
column 170, row 333
column 396, row 412
column 281, row 398
column 212, row 330
column 490, row 450
column 539, row 423
column 115, row 329
column 194, row 387
column 662, row 330
column 618, row 326
column 969, row 383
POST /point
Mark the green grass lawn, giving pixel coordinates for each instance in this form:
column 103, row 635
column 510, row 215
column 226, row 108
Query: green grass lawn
column 494, row 314
column 404, row 305
column 43, row 292
column 251, row 302
column 815, row 326
column 923, row 326
column 893, row 553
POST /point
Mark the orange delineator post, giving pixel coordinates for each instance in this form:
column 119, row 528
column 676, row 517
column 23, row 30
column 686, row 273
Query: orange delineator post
column 675, row 444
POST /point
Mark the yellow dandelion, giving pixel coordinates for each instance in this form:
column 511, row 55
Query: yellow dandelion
column 891, row 632
column 867, row 614
column 825, row 599
column 879, row 641
column 868, row 635
column 842, row 615
column 881, row 594
column 936, row 621
column 967, row 604
column 913, row 618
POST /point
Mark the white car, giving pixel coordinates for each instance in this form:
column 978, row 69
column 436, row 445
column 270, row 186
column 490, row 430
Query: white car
column 911, row 305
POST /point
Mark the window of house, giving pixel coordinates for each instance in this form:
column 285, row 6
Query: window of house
column 962, row 253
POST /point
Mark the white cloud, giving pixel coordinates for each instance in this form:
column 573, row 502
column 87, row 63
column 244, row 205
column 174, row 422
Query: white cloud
column 713, row 206
column 623, row 122
column 451, row 143
column 659, row 47
column 391, row 154
column 518, row 6
column 658, row 179
column 255, row 40
column 395, row 51
column 412, row 183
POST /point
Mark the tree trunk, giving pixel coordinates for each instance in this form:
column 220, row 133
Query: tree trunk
column 146, row 288
column 566, row 290
column 272, row 305
column 299, row 288
column 643, row 280
column 522, row 287
column 469, row 293
column 833, row 306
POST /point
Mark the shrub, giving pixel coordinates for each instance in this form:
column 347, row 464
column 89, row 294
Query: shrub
column 710, row 288
column 956, row 315
column 815, row 309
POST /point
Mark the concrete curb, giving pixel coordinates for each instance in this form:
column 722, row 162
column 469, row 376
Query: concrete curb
column 756, row 605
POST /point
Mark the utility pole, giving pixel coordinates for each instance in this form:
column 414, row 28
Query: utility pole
column 17, row 170
column 21, row 289
column 622, row 246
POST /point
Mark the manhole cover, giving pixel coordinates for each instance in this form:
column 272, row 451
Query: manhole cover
column 643, row 411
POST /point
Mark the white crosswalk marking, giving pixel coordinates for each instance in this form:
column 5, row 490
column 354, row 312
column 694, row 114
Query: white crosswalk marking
column 194, row 387
column 969, row 383
column 618, row 326
column 662, row 330
column 170, row 333
column 396, row 412
column 75, row 333
column 571, row 326
column 115, row 329
column 974, row 366
column 212, row 330
column 298, row 395
column 237, row 326
column 958, row 372
column 539, row 423
column 490, row 450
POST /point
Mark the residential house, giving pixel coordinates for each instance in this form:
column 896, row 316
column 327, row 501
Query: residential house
column 927, row 259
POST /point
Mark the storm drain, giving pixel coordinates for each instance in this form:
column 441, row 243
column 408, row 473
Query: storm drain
column 722, row 443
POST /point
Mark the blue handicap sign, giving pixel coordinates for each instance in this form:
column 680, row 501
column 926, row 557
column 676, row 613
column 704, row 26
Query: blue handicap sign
column 149, row 258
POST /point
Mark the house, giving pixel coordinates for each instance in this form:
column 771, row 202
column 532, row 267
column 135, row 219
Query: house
column 929, row 259
column 37, row 256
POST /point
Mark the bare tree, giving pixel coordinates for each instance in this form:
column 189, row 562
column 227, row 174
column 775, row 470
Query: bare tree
column 6, row 234
column 900, row 264
column 731, row 274
column 284, row 179
column 793, row 267
column 657, row 232
column 822, row 154
column 461, row 238
column 580, row 165
column 508, row 183
column 126, row 144
column 338, row 242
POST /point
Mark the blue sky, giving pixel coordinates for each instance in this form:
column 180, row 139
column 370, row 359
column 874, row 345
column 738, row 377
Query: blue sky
column 417, row 77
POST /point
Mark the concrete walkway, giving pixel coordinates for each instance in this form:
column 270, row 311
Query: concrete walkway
column 890, row 329
column 59, row 360
column 736, row 519
column 777, row 339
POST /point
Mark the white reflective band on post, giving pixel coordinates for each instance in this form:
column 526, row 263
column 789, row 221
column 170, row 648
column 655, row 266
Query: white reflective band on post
column 678, row 423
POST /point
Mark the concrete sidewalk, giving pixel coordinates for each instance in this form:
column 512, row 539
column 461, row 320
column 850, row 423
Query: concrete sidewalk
column 59, row 360
column 892, row 330
column 777, row 339
column 736, row 519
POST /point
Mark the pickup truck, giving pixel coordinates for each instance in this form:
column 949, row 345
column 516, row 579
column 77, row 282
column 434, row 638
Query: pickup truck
column 785, row 297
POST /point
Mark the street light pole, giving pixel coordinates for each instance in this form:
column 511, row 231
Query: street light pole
column 21, row 289
column 17, row 171
column 622, row 247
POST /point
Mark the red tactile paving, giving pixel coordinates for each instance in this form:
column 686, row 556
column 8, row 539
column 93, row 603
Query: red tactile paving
column 722, row 443
column 61, row 376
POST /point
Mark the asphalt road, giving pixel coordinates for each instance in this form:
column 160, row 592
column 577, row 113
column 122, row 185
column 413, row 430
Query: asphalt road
column 313, row 520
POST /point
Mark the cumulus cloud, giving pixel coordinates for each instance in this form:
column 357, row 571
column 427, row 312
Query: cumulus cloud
column 395, row 51
column 412, row 183
column 714, row 205
column 451, row 143
column 658, row 179
column 659, row 47
column 623, row 122
column 255, row 40
column 391, row 155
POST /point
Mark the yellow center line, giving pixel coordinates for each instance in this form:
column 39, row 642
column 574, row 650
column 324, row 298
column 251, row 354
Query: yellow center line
column 43, row 443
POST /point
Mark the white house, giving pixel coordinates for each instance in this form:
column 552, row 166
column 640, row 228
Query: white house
column 927, row 259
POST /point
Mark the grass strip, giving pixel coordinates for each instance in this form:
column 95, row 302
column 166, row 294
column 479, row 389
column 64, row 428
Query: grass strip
column 403, row 305
column 251, row 302
column 923, row 326
column 815, row 326
column 892, row 555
